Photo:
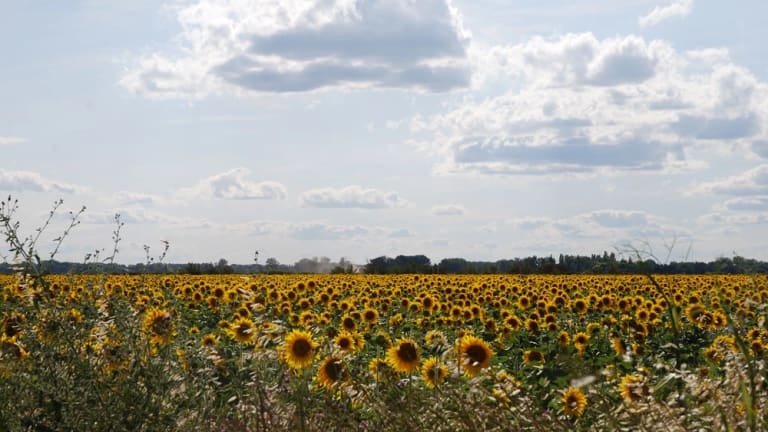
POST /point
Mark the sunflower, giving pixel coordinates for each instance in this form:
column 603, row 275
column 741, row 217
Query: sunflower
column 435, row 339
column 574, row 402
column 618, row 346
column 331, row 371
column 633, row 388
column 158, row 324
column 433, row 372
column 580, row 341
column 10, row 348
column 348, row 323
column 379, row 369
column 404, row 357
column 209, row 340
column 13, row 324
column 475, row 354
column 693, row 312
column 371, row 316
column 533, row 356
column 242, row 330
column 346, row 342
column 299, row 349
column 564, row 339
column 532, row 325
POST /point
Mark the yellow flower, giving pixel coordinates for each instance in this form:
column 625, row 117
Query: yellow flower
column 242, row 330
column 433, row 372
column 574, row 402
column 158, row 323
column 404, row 357
column 346, row 342
column 299, row 349
column 475, row 354
column 533, row 356
column 633, row 388
column 331, row 371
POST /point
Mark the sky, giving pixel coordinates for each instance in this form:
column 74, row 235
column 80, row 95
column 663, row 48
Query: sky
column 483, row 129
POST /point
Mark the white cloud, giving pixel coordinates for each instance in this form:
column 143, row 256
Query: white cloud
column 679, row 8
column 137, row 198
column 757, row 203
column 139, row 216
column 19, row 181
column 582, row 106
column 11, row 140
column 234, row 185
column 603, row 225
column 728, row 221
column 276, row 46
column 751, row 182
column 350, row 197
column 448, row 210
column 574, row 59
column 313, row 230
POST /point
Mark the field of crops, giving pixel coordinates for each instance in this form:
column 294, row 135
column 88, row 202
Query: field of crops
column 402, row 352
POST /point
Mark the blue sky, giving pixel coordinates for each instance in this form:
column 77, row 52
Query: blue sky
column 485, row 129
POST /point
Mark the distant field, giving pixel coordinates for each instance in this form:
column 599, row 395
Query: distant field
column 402, row 352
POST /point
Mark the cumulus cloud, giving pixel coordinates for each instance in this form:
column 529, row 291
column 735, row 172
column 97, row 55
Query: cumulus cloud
column 679, row 8
column 604, row 225
column 576, row 59
column 312, row 230
column 350, row 197
column 321, row 231
column 11, row 140
column 275, row 46
column 139, row 215
column 20, row 181
column 235, row 185
column 448, row 210
column 584, row 106
column 137, row 198
column 757, row 203
column 750, row 182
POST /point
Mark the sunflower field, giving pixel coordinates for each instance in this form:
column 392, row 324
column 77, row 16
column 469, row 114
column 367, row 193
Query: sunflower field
column 383, row 353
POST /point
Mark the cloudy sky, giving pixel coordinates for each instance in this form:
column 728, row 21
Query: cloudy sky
column 484, row 129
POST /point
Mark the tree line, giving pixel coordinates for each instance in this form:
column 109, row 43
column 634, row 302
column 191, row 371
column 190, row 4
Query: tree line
column 607, row 263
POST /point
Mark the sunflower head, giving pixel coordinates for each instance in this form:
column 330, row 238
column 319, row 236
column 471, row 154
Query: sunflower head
column 574, row 402
column 533, row 356
column 433, row 372
column 475, row 354
column 380, row 369
column 633, row 388
column 331, row 371
column 209, row 340
column 371, row 316
column 158, row 324
column 12, row 324
column 404, row 357
column 346, row 342
column 243, row 330
column 299, row 349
